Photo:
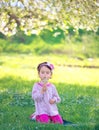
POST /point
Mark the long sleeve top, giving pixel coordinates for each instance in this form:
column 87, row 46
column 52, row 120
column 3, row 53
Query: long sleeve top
column 42, row 104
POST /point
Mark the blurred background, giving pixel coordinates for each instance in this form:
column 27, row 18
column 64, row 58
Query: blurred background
column 63, row 32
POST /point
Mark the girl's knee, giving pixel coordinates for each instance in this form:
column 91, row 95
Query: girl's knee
column 57, row 119
column 43, row 118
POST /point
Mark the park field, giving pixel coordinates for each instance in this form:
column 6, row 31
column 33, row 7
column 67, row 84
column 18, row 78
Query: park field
column 77, row 82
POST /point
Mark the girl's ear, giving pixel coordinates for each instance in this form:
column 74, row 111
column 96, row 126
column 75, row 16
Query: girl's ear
column 51, row 76
column 38, row 74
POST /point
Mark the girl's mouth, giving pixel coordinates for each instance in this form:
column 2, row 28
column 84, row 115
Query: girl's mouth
column 45, row 80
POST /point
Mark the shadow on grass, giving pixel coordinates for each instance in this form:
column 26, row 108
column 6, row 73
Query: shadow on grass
column 79, row 104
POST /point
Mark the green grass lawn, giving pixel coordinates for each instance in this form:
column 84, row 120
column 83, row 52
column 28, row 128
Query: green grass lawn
column 78, row 88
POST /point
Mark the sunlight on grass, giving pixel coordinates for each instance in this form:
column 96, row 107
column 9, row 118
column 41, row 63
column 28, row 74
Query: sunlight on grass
column 25, row 67
column 77, row 87
column 81, row 76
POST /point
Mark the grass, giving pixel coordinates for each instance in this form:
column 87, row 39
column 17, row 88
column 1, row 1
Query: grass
column 78, row 88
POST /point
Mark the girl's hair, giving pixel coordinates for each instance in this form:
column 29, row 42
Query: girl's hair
column 47, row 64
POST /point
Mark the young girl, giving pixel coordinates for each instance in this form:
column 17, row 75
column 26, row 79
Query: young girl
column 46, row 96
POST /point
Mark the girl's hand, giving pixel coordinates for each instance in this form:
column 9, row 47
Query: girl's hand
column 44, row 89
column 52, row 101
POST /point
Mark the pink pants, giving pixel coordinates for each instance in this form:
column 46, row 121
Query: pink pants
column 44, row 118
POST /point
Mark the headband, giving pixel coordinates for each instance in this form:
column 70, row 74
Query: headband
column 51, row 66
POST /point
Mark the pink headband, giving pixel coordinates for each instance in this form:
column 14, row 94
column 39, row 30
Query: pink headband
column 51, row 66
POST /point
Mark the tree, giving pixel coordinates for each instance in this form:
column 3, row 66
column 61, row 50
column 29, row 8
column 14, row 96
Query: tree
column 32, row 16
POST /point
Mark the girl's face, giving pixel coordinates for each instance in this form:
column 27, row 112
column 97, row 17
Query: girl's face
column 45, row 73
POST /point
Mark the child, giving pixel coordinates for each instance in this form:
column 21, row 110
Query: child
column 46, row 96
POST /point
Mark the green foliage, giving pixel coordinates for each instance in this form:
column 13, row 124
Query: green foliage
column 52, row 37
column 82, row 45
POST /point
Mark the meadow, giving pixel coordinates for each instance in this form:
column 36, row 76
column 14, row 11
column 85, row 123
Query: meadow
column 78, row 87
column 76, row 76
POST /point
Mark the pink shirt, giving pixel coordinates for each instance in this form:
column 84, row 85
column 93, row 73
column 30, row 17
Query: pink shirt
column 42, row 100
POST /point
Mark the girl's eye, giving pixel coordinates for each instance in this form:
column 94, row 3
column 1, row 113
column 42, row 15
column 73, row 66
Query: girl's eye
column 47, row 72
column 42, row 72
